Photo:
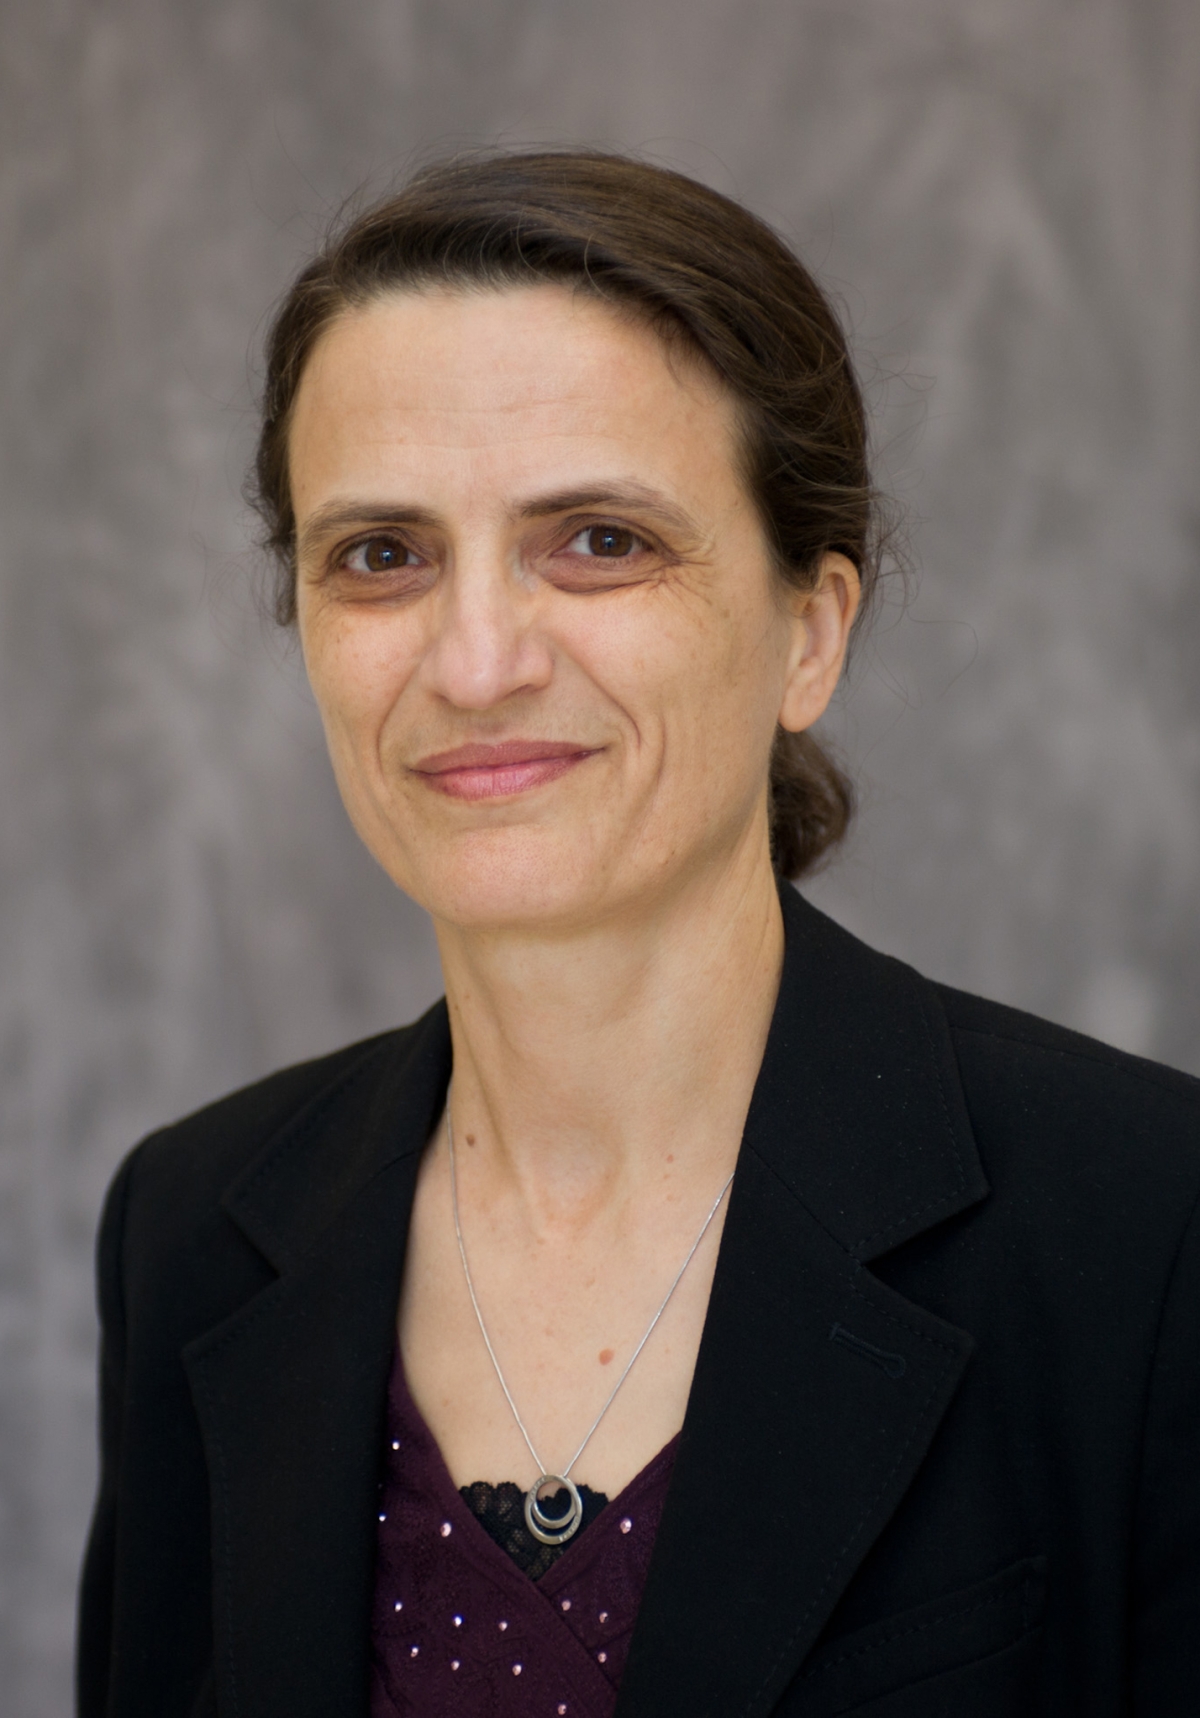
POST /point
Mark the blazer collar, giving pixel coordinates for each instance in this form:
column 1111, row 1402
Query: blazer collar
column 817, row 1389
column 380, row 1112
column 858, row 1106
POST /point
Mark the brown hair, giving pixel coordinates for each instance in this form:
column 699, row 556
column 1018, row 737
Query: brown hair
column 695, row 264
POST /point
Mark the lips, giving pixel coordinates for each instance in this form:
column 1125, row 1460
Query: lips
column 499, row 771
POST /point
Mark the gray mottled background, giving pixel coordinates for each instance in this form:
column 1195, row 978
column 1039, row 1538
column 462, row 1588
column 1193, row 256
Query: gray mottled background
column 1005, row 195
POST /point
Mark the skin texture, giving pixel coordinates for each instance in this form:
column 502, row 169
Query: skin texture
column 523, row 531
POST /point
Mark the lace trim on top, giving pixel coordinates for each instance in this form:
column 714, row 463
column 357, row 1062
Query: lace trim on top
column 500, row 1511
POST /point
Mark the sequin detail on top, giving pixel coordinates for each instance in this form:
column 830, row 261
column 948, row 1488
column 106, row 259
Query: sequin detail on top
column 441, row 1599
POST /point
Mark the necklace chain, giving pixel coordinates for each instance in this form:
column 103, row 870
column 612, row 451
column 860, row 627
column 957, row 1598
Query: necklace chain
column 543, row 1472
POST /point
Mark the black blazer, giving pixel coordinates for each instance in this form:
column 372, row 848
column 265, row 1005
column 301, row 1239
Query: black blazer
column 942, row 1453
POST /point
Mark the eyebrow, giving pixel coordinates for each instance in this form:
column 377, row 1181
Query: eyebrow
column 599, row 496
column 337, row 516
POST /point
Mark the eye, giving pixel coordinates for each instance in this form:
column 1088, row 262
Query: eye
column 606, row 542
column 379, row 555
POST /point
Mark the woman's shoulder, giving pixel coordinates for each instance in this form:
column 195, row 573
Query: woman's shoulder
column 201, row 1213
column 188, row 1165
column 1035, row 1093
column 1071, row 1102
column 1013, row 1039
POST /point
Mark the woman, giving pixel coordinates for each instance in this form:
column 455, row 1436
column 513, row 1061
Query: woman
column 697, row 1312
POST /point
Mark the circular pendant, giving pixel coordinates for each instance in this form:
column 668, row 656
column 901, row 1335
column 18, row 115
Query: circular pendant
column 553, row 1529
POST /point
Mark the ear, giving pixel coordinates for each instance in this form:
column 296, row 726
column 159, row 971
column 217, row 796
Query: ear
column 821, row 622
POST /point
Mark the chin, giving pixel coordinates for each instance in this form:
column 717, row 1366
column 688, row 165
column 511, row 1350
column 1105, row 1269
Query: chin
column 510, row 880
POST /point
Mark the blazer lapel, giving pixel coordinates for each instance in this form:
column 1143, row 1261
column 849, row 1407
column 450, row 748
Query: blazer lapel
column 290, row 1391
column 817, row 1388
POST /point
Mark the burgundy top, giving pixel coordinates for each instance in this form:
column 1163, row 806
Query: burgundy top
column 459, row 1629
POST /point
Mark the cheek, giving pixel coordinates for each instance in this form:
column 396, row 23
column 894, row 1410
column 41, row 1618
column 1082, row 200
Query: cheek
column 357, row 675
column 699, row 683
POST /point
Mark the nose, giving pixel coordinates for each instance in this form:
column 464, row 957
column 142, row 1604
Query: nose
column 486, row 645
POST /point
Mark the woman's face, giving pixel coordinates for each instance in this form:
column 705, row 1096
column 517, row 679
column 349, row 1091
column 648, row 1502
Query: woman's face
column 537, row 607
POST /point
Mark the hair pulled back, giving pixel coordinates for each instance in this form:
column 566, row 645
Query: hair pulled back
column 696, row 265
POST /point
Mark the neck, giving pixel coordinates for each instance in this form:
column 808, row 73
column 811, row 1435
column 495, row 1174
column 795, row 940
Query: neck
column 617, row 1062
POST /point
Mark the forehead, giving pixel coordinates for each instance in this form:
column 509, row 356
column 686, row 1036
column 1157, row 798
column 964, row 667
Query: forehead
column 499, row 383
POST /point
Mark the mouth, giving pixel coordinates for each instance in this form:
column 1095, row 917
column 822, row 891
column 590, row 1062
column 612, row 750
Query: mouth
column 498, row 772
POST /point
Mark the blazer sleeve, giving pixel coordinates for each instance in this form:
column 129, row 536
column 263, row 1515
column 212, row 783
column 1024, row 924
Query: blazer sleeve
column 1166, row 1624
column 95, row 1630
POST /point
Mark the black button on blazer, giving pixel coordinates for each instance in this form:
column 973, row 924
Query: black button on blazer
column 941, row 1457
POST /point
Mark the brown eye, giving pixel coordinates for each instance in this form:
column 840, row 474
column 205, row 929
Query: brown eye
column 612, row 542
column 378, row 555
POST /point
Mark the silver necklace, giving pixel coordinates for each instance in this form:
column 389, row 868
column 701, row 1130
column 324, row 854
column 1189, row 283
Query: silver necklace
column 557, row 1529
